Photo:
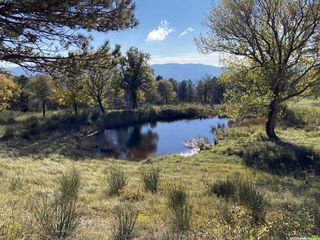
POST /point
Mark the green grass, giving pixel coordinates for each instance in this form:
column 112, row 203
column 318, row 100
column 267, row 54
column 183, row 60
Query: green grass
column 29, row 168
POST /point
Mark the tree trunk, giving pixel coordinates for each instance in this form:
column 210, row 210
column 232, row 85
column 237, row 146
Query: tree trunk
column 272, row 120
column 43, row 108
column 75, row 107
column 101, row 106
column 134, row 99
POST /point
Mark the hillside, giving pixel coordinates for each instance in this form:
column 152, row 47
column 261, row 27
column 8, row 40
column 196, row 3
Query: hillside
column 185, row 71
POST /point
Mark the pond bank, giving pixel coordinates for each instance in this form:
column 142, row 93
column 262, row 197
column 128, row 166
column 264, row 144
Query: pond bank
column 90, row 121
column 124, row 118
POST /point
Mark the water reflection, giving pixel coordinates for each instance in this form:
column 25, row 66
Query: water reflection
column 140, row 141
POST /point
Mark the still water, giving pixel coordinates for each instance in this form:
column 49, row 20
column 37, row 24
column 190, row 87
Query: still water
column 159, row 138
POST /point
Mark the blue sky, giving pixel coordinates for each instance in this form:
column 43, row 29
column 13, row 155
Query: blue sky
column 166, row 30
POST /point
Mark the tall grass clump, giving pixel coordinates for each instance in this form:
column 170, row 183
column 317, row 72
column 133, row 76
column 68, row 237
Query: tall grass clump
column 254, row 200
column 125, row 229
column 117, row 179
column 245, row 193
column 178, row 203
column 16, row 184
column 226, row 189
column 151, row 179
column 58, row 217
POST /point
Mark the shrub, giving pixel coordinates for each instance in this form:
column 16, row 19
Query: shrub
column 245, row 193
column 117, row 180
column 254, row 200
column 180, row 208
column 151, row 178
column 182, row 217
column 177, row 197
column 58, row 217
column 226, row 189
column 69, row 185
column 126, row 222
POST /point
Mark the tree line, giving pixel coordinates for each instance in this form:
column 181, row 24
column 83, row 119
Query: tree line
column 122, row 82
column 275, row 49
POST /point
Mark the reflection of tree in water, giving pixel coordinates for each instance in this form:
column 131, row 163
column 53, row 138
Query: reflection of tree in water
column 147, row 146
column 153, row 124
column 132, row 143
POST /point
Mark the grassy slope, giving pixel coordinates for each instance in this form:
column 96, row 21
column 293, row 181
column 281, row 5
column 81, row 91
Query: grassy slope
column 25, row 173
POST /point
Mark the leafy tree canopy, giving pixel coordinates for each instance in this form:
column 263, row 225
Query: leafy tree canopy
column 33, row 32
column 7, row 90
column 278, row 39
column 136, row 74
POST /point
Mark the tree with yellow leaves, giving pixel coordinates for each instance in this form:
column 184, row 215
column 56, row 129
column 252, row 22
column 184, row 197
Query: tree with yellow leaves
column 7, row 91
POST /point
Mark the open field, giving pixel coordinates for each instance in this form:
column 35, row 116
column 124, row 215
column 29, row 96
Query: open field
column 292, row 208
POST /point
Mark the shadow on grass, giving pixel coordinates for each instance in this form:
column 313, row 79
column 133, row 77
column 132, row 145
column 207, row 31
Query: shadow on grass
column 60, row 143
column 281, row 158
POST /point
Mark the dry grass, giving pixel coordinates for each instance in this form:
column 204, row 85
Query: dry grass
column 25, row 173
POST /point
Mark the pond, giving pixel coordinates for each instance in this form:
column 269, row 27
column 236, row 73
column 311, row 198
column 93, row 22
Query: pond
column 158, row 138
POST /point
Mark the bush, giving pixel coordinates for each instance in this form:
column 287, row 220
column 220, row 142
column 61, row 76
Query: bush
column 126, row 222
column 177, row 197
column 225, row 189
column 117, row 180
column 254, row 200
column 151, row 178
column 58, row 217
column 182, row 217
column 180, row 208
column 70, row 185
column 245, row 193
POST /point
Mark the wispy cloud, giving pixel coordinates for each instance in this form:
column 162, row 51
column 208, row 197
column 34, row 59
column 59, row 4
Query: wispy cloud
column 210, row 59
column 186, row 31
column 160, row 33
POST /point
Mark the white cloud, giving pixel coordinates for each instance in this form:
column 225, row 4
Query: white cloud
column 186, row 31
column 160, row 33
column 209, row 59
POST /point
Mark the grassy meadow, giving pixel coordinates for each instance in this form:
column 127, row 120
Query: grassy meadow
column 283, row 179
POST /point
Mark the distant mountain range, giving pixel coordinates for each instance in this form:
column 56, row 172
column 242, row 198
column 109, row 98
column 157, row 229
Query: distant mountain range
column 181, row 72
column 176, row 71
column 17, row 71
